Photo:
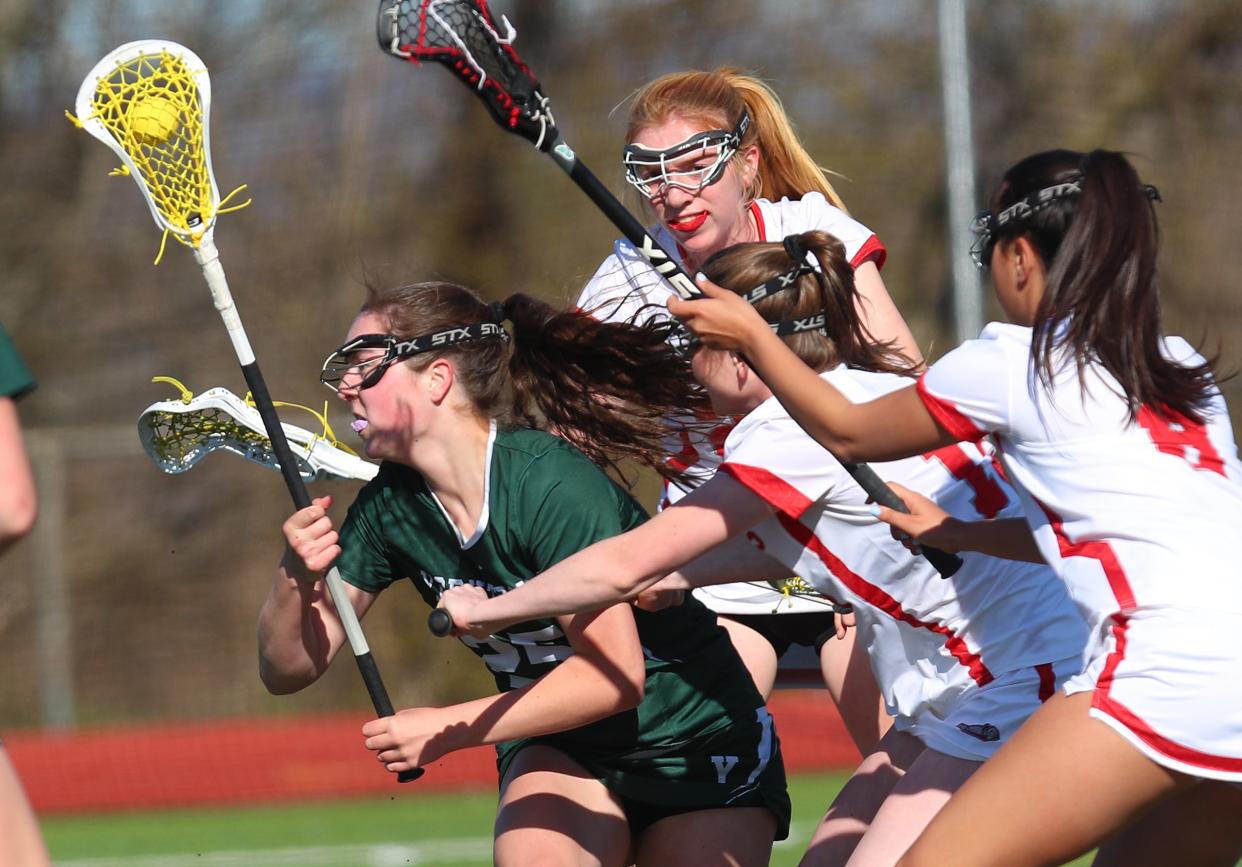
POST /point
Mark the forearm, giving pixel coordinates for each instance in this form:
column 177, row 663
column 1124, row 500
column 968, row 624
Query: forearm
column 296, row 625
column 573, row 694
column 1006, row 538
column 589, row 580
column 815, row 405
column 728, row 563
column 895, row 425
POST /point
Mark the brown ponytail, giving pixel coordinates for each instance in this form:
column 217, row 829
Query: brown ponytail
column 606, row 387
column 844, row 338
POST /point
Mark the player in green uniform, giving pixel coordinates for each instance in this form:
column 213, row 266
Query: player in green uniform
column 622, row 735
column 20, row 841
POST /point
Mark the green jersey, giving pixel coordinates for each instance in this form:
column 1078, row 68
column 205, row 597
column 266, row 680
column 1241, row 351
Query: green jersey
column 15, row 379
column 544, row 502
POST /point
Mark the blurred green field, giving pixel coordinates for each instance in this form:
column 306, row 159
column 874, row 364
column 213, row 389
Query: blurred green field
column 426, row 830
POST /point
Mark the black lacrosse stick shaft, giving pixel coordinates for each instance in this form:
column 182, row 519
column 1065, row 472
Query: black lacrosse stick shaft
column 301, row 499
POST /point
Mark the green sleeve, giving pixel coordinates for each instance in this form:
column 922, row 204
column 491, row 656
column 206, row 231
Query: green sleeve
column 15, row 378
column 364, row 560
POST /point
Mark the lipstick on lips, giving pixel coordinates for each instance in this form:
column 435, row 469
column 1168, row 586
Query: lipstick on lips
column 689, row 224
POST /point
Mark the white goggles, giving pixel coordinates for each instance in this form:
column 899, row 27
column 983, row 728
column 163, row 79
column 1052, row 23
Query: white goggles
column 689, row 165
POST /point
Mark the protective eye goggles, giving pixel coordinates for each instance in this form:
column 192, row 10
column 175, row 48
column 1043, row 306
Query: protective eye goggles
column 341, row 366
column 988, row 226
column 690, row 165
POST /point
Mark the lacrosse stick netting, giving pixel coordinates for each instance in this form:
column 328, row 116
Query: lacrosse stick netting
column 149, row 102
column 461, row 35
column 176, row 434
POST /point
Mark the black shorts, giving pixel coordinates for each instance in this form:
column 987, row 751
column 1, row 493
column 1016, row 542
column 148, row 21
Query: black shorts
column 785, row 630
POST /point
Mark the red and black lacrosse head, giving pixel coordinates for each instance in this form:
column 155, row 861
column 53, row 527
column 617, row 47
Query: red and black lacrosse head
column 462, row 35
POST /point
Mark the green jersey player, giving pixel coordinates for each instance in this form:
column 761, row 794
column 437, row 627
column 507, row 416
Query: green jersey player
column 622, row 735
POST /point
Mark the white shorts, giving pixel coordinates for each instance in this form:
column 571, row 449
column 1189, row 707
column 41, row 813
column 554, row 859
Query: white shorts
column 1169, row 680
column 982, row 719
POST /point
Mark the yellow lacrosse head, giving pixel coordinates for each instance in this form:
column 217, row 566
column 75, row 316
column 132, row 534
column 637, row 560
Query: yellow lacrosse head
column 149, row 101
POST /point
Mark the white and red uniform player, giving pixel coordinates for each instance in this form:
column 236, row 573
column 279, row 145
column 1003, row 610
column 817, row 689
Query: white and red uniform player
column 626, row 288
column 961, row 662
column 1138, row 518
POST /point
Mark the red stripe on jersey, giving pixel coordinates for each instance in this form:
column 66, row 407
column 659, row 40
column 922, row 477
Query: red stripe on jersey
column 758, row 218
column 791, row 502
column 770, row 488
column 1047, row 681
column 1095, row 550
column 687, row 457
column 1175, row 434
column 948, row 416
column 989, row 496
column 1105, row 702
column 872, row 250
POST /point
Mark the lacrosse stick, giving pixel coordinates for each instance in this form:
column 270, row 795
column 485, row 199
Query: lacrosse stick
column 149, row 101
column 179, row 433
column 461, row 35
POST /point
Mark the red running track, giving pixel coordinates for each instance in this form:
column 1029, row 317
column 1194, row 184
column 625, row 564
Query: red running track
column 305, row 758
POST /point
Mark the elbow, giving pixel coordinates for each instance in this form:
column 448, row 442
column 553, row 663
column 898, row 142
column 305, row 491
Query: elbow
column 279, row 682
column 18, row 518
column 845, row 449
column 284, row 678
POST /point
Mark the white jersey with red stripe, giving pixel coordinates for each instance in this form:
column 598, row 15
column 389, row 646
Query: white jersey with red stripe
column 1165, row 497
column 1138, row 518
column 626, row 288
column 930, row 640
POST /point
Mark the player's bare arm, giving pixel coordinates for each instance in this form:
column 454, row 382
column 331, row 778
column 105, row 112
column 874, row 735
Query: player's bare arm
column 605, row 676
column 852, row 432
column 928, row 524
column 299, row 629
column 615, row 570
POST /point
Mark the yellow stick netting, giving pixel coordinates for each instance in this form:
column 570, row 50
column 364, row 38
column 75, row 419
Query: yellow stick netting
column 151, row 105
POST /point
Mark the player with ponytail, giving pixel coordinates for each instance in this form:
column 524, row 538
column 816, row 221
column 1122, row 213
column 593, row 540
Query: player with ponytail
column 1122, row 445
column 624, row 735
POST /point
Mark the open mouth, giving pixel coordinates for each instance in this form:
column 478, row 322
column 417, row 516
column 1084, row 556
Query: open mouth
column 689, row 223
column 359, row 425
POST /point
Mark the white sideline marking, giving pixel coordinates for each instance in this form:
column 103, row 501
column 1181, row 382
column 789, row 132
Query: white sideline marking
column 362, row 855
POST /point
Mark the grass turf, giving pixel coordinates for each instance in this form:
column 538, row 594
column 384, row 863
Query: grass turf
column 428, row 830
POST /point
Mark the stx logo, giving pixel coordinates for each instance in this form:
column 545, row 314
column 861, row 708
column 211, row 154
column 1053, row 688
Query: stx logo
column 667, row 268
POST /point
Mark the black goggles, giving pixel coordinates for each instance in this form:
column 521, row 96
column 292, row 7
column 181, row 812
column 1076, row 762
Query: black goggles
column 988, row 226
column 366, row 373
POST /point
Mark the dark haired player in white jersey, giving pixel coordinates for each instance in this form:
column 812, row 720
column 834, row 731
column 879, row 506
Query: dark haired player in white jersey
column 961, row 662
column 1121, row 445
column 622, row 735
